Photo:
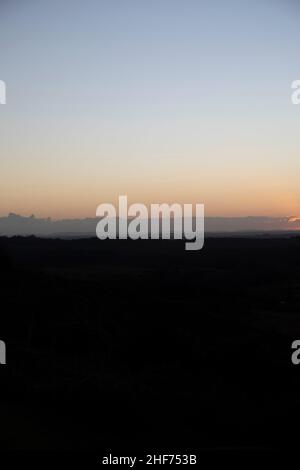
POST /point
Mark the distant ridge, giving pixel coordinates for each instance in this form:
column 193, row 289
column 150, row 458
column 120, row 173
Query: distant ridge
column 14, row 224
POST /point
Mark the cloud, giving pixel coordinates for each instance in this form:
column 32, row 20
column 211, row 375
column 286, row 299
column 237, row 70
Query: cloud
column 15, row 224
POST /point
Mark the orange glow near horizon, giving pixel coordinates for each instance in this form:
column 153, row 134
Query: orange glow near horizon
column 138, row 107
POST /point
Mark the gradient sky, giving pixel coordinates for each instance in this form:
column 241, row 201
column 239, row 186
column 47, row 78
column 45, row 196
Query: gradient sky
column 162, row 100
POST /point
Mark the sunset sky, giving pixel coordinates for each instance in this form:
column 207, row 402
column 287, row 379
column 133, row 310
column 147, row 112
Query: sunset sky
column 162, row 100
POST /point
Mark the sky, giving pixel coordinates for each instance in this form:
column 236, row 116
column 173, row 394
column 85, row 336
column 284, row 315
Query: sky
column 163, row 100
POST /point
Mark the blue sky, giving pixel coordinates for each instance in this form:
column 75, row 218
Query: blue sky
column 184, row 101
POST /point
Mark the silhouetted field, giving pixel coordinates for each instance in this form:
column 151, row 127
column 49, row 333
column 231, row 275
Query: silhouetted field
column 145, row 345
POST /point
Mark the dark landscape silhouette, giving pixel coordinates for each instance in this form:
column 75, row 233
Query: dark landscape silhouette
column 141, row 344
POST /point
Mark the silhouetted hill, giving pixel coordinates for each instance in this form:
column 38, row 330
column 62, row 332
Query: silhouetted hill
column 145, row 345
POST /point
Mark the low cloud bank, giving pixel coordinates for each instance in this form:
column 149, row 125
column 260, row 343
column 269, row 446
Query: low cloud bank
column 15, row 224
